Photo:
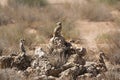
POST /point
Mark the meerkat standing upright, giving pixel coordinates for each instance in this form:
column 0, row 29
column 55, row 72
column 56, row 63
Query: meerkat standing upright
column 58, row 29
column 101, row 57
column 101, row 60
column 22, row 48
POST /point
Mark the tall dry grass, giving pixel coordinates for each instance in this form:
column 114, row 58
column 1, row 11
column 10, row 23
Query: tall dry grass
column 111, row 41
column 92, row 10
column 8, row 74
column 42, row 20
column 114, row 3
column 17, row 19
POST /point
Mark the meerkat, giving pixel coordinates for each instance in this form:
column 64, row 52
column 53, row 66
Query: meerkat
column 101, row 56
column 1, row 51
column 101, row 60
column 58, row 29
column 22, row 48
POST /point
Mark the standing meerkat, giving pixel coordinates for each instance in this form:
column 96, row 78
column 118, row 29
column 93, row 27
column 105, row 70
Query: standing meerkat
column 101, row 60
column 58, row 29
column 22, row 48
column 101, row 57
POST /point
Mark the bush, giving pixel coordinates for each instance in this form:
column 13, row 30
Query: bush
column 93, row 10
column 10, row 37
column 110, row 1
column 112, row 41
column 31, row 3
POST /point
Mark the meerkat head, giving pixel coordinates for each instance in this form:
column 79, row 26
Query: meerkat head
column 22, row 40
column 102, row 53
column 59, row 23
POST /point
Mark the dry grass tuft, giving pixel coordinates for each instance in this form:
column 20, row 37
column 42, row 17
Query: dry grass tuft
column 92, row 10
column 17, row 19
column 8, row 74
column 113, row 44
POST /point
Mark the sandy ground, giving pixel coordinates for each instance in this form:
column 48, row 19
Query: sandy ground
column 59, row 1
column 3, row 2
column 90, row 30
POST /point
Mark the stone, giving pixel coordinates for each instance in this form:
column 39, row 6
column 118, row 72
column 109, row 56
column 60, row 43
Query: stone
column 70, row 74
column 88, row 75
column 22, row 61
column 54, row 72
column 81, row 51
column 76, row 59
column 39, row 52
column 92, row 69
column 6, row 61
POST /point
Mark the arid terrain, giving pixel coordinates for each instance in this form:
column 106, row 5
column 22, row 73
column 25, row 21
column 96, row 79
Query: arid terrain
column 93, row 25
